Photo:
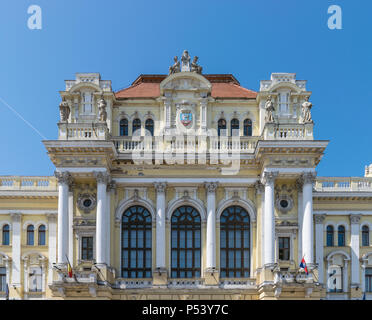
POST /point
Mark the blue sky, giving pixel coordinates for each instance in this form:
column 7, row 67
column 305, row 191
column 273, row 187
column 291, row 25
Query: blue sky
column 250, row 39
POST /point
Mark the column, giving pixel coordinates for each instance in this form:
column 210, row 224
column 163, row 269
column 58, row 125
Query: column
column 354, row 244
column 203, row 116
column 345, row 277
column 167, row 113
column 16, row 249
column 110, row 191
column 307, row 221
column 160, row 225
column 71, row 223
column 260, row 233
column 101, row 237
column 52, row 244
column 300, row 213
column 64, row 178
column 319, row 245
column 268, row 180
column 211, row 225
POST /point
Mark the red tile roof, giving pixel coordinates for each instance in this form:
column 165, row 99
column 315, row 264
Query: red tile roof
column 223, row 86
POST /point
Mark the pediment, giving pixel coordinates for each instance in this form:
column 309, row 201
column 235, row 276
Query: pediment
column 185, row 81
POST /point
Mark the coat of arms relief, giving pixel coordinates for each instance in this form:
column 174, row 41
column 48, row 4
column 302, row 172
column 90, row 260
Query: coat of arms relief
column 185, row 115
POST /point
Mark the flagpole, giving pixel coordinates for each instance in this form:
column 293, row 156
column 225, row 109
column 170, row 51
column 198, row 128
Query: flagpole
column 73, row 273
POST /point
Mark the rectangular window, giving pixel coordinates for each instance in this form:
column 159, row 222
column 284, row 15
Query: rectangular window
column 87, row 248
column 35, row 279
column 284, row 248
column 87, row 103
column 2, row 279
column 283, row 103
column 368, row 279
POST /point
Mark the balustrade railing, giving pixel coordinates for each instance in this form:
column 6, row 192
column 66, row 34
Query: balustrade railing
column 28, row 183
column 339, row 184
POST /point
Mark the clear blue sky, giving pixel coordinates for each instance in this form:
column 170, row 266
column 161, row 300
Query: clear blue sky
column 248, row 38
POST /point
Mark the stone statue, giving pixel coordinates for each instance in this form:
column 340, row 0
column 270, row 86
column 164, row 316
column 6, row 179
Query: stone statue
column 176, row 66
column 269, row 107
column 64, row 110
column 195, row 67
column 185, row 61
column 102, row 109
column 306, row 113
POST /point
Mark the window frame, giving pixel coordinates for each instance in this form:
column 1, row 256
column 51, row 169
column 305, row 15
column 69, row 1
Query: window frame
column 124, row 126
column 329, row 233
column 221, row 125
column 365, row 234
column 88, row 251
column 41, row 233
column 284, row 250
column 29, row 237
column 234, row 125
column 5, row 233
column 341, row 236
column 150, row 123
column 247, row 127
column 136, row 125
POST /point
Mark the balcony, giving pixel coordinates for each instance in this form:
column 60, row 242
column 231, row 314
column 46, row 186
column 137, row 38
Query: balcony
column 288, row 131
column 339, row 184
column 16, row 183
column 82, row 131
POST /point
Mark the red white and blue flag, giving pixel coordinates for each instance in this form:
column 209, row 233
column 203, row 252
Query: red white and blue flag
column 303, row 265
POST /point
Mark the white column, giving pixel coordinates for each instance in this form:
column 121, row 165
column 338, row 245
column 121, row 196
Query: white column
column 345, row 276
column 101, row 236
column 300, row 213
column 211, row 225
column 110, row 191
column 203, row 116
column 25, row 274
column 52, row 244
column 70, row 224
column 64, row 178
column 307, row 222
column 16, row 249
column 354, row 244
column 269, row 218
column 167, row 113
column 319, row 245
column 160, row 224
column 260, row 233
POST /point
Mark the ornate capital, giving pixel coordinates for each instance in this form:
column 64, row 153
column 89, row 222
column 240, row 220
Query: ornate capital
column 269, row 177
column 319, row 218
column 16, row 217
column 211, row 186
column 111, row 186
column 160, row 187
column 52, row 217
column 101, row 177
column 63, row 177
column 260, row 188
column 299, row 184
column 308, row 177
column 355, row 218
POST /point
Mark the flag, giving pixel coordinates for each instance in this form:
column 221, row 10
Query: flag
column 303, row 265
column 69, row 268
column 7, row 292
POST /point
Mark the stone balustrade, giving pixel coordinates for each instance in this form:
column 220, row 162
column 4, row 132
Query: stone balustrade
column 28, row 183
column 339, row 184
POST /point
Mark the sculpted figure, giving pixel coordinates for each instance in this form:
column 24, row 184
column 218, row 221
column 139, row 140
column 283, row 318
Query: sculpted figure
column 64, row 110
column 185, row 61
column 176, row 66
column 269, row 107
column 195, row 67
column 102, row 109
column 306, row 113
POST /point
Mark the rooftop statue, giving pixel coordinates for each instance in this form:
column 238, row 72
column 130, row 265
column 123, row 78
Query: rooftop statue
column 185, row 61
column 102, row 109
column 195, row 67
column 269, row 107
column 306, row 113
column 64, row 110
column 176, row 66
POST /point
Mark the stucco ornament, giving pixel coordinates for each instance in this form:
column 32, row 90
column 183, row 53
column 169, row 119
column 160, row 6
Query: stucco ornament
column 64, row 110
column 306, row 113
column 86, row 202
column 102, row 109
column 175, row 67
column 269, row 107
column 195, row 67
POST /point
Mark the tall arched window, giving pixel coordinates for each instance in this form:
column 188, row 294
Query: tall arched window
column 185, row 243
column 136, row 243
column 221, row 126
column 123, row 127
column 136, row 125
column 247, row 127
column 6, row 236
column 365, row 236
column 30, row 235
column 341, row 236
column 234, row 126
column 329, row 236
column 235, row 243
column 41, row 235
column 149, row 125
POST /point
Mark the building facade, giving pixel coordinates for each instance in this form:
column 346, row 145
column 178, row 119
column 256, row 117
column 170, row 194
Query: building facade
column 186, row 186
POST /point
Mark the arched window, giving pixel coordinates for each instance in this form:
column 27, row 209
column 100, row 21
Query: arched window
column 41, row 234
column 221, row 126
column 136, row 243
column 30, row 235
column 341, row 236
column 365, row 236
column 136, row 125
column 6, row 237
column 247, row 127
column 185, row 243
column 123, row 127
column 329, row 236
column 149, row 125
column 235, row 243
column 234, row 126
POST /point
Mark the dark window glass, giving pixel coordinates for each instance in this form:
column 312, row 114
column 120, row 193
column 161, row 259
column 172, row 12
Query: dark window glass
column 30, row 235
column 185, row 243
column 284, row 248
column 123, row 127
column 87, row 248
column 41, row 232
column 247, row 127
column 6, row 237
column 136, row 125
column 329, row 236
column 341, row 236
column 221, row 126
column 149, row 125
column 2, row 279
column 365, row 236
column 136, row 243
column 235, row 243
column 234, row 126
column 368, row 279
